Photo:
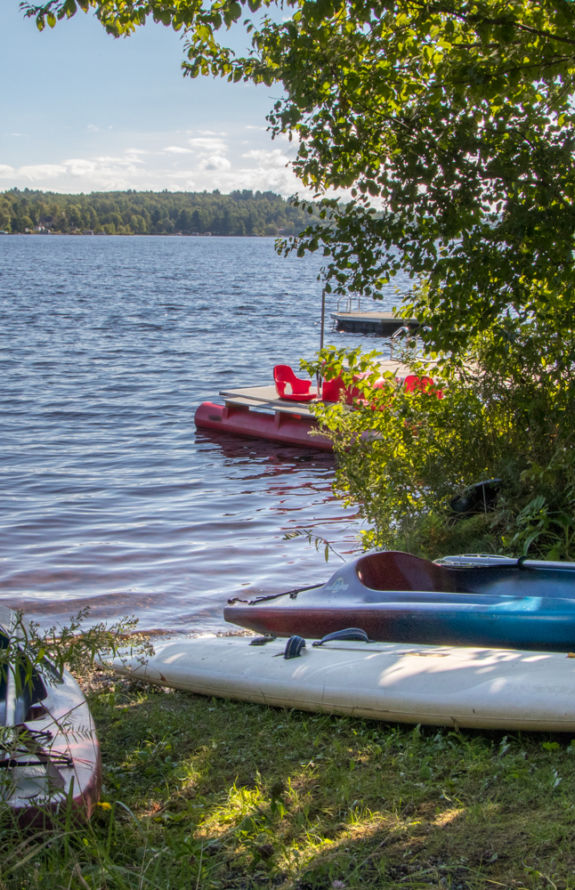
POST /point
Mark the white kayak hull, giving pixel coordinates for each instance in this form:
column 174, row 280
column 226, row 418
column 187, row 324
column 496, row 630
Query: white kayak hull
column 49, row 750
column 436, row 685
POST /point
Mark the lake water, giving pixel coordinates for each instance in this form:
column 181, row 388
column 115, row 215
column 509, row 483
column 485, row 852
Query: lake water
column 110, row 498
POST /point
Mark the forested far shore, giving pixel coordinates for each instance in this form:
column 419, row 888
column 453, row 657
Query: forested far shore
column 149, row 213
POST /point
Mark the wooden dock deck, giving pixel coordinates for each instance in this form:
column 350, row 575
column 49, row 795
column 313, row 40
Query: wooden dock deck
column 264, row 396
column 257, row 412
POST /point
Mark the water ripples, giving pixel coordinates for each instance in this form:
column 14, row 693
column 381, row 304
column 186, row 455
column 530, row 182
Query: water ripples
column 110, row 497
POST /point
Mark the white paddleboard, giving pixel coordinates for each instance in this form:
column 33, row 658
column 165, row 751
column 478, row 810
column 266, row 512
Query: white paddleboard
column 443, row 686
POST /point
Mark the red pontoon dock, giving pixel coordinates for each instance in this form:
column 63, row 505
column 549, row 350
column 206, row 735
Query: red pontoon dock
column 257, row 412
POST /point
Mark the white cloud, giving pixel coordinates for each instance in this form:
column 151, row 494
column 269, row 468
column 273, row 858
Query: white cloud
column 274, row 158
column 136, row 154
column 208, row 143
column 178, row 161
column 38, row 172
column 216, row 163
column 80, row 167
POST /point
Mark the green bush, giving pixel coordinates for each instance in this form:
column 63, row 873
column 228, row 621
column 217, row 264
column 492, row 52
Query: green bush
column 506, row 412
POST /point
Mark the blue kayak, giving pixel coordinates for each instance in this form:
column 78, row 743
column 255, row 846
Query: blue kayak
column 396, row 597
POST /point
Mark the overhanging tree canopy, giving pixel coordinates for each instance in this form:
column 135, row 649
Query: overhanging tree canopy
column 454, row 120
column 450, row 125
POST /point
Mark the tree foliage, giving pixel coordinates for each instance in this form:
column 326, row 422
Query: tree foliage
column 404, row 454
column 455, row 119
column 450, row 125
column 150, row 213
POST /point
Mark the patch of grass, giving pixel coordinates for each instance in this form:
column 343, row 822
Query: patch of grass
column 219, row 795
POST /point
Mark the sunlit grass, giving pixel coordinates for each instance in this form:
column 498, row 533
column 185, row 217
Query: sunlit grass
column 210, row 794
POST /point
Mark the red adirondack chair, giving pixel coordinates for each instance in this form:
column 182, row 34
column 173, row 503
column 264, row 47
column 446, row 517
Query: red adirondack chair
column 288, row 386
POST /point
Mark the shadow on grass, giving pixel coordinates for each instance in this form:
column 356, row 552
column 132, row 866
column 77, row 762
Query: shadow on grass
column 204, row 793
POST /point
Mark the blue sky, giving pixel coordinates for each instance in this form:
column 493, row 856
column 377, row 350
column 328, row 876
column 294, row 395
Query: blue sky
column 84, row 112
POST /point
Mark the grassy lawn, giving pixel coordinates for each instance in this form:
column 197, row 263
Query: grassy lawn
column 205, row 793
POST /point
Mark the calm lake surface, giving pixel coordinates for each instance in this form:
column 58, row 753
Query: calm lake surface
column 110, row 498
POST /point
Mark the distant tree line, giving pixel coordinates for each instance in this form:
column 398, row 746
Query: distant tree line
column 150, row 213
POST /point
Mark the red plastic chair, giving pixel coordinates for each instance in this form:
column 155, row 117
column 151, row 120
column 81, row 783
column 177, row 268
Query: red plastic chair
column 288, row 386
column 332, row 390
column 413, row 383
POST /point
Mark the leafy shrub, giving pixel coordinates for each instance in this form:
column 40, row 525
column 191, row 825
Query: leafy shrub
column 506, row 411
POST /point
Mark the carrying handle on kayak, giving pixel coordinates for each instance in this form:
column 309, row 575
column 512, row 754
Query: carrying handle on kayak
column 294, row 647
column 348, row 633
column 296, row 644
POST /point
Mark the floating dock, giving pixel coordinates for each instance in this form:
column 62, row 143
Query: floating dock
column 383, row 323
column 257, row 412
